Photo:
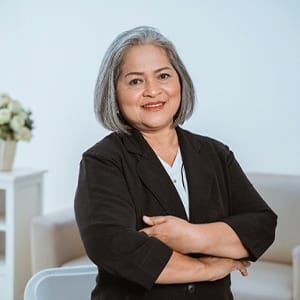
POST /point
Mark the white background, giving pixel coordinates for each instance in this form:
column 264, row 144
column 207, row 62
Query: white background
column 243, row 57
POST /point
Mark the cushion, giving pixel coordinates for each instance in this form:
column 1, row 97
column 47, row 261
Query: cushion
column 266, row 281
column 282, row 193
column 80, row 261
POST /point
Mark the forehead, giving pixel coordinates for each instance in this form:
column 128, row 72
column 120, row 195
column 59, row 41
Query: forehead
column 147, row 56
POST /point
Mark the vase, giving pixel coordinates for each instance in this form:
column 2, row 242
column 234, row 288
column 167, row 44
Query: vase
column 7, row 154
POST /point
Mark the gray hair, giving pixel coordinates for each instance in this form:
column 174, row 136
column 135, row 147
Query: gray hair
column 105, row 100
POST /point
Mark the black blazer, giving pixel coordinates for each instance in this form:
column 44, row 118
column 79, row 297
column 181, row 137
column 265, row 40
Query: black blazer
column 121, row 179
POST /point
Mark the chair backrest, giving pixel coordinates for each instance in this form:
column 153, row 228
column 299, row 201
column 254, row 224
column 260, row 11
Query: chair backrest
column 282, row 193
column 55, row 240
column 63, row 283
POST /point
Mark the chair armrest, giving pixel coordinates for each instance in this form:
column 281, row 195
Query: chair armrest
column 55, row 240
column 296, row 273
column 74, row 283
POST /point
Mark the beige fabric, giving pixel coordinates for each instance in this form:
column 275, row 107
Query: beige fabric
column 266, row 281
column 277, row 274
column 55, row 240
column 296, row 272
column 282, row 193
column 80, row 261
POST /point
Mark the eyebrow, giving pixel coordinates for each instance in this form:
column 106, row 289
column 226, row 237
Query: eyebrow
column 141, row 73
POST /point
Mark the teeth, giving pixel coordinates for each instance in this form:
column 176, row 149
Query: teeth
column 153, row 105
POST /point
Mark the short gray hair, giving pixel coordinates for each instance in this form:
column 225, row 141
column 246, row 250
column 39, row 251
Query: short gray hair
column 105, row 100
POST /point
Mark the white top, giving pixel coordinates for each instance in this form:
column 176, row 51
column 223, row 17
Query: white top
column 178, row 177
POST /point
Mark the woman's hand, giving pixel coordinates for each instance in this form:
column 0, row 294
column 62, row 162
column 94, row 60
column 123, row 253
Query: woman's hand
column 215, row 239
column 182, row 268
column 218, row 268
column 177, row 233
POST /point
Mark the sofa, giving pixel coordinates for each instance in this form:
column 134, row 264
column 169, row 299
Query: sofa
column 276, row 276
column 56, row 242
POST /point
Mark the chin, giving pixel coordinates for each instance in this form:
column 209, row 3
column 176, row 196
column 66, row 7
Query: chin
column 157, row 125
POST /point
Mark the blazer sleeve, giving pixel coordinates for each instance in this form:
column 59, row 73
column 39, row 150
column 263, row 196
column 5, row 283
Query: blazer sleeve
column 106, row 219
column 250, row 217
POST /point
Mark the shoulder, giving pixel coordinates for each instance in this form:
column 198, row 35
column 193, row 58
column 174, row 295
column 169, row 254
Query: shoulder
column 108, row 147
column 205, row 143
column 208, row 147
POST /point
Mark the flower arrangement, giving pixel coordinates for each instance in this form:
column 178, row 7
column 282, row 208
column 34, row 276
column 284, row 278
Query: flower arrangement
column 15, row 122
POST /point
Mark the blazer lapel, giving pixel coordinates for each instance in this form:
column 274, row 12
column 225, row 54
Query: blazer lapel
column 154, row 176
column 199, row 173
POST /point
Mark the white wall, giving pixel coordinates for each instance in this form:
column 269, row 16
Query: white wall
column 243, row 57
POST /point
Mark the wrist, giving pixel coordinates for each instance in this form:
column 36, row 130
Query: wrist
column 208, row 268
column 196, row 239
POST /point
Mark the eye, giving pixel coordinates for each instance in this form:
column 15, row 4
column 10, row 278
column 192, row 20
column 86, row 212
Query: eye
column 164, row 76
column 135, row 81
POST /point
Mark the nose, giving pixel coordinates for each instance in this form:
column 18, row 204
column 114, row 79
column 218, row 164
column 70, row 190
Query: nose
column 152, row 89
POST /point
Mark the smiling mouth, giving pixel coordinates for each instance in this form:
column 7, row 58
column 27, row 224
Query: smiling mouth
column 154, row 106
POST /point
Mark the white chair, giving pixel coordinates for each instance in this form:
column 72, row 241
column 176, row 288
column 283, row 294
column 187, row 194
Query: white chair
column 62, row 283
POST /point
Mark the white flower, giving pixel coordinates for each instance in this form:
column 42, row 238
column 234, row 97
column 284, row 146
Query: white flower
column 4, row 115
column 24, row 134
column 14, row 106
column 23, row 114
column 17, row 122
column 4, row 100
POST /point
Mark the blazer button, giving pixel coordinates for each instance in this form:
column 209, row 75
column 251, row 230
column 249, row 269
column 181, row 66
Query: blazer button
column 191, row 288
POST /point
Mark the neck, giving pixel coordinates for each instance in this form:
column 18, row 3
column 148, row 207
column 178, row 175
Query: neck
column 165, row 138
column 163, row 143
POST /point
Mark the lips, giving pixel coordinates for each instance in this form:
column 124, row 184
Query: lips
column 154, row 105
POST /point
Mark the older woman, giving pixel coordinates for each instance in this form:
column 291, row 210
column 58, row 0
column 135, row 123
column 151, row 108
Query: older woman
column 163, row 213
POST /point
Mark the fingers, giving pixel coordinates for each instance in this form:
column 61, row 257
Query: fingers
column 146, row 230
column 154, row 220
column 246, row 263
column 243, row 271
column 243, row 265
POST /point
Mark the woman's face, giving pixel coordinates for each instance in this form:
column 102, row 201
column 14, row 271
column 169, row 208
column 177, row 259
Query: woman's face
column 148, row 88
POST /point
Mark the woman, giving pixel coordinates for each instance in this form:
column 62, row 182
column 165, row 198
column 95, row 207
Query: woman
column 163, row 213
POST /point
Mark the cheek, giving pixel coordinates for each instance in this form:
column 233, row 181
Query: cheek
column 175, row 89
column 175, row 93
column 124, row 99
column 127, row 96
column 128, row 105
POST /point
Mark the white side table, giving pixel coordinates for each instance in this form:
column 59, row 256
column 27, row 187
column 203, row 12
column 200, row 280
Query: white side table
column 21, row 193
